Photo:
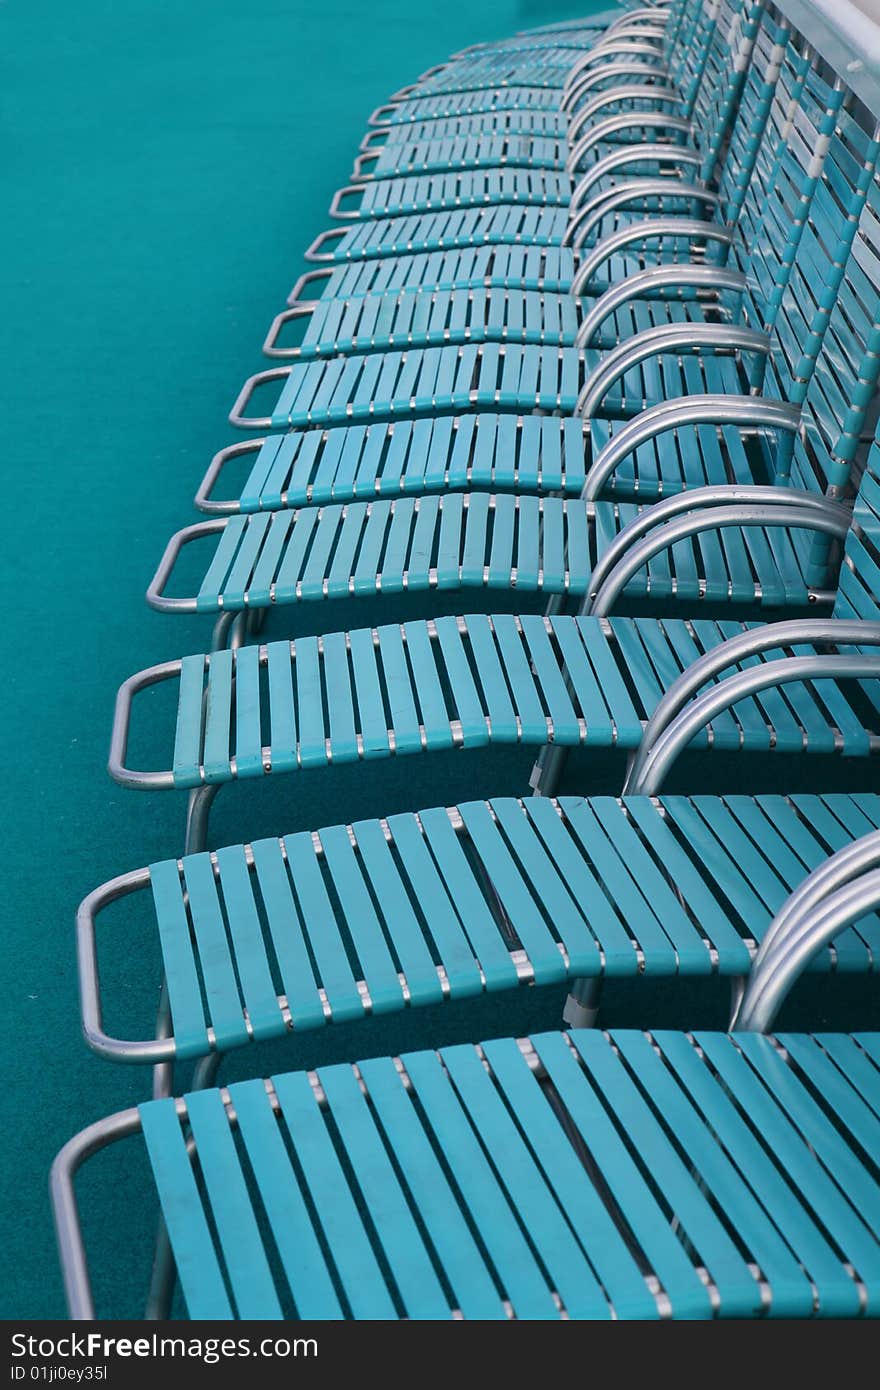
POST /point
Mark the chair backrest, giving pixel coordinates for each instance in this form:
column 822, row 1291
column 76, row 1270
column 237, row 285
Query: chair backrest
column 858, row 594
column 712, row 99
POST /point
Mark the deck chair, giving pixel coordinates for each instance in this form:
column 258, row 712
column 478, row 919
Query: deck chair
column 533, row 454
column 712, row 74
column 547, row 682
column 585, row 1175
column 370, row 307
column 492, row 894
column 659, row 361
column 545, row 138
column 519, row 294
column 552, row 269
column 713, row 543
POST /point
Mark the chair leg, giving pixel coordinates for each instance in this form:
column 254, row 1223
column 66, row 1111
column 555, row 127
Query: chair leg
column 547, row 772
column 582, row 1005
column 163, row 1072
column 164, row 1273
column 197, row 812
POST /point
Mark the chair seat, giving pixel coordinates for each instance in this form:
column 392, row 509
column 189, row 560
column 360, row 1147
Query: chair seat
column 470, row 682
column 477, row 540
column 379, row 916
column 503, row 452
column 548, row 269
column 551, row 124
column 522, row 97
column 492, row 376
column 468, row 189
column 414, row 317
column 742, row 1137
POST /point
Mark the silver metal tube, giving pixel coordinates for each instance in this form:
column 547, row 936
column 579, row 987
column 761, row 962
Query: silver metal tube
column 728, row 494
column 631, row 191
column 203, row 499
column 744, row 411
column 74, row 1263
column 155, row 597
column 129, row 777
column 711, row 278
column 676, row 737
column 651, row 229
column 767, row 514
column 619, row 159
column 653, row 342
column 635, row 120
column 652, row 92
column 767, row 989
column 787, row 633
column 260, row 422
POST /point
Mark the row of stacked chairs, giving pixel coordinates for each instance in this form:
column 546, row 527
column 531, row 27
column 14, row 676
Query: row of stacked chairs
column 590, row 362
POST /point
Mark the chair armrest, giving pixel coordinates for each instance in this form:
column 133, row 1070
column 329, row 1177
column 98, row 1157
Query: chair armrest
column 303, row 309
column 772, row 977
column 260, row 422
column 706, row 509
column 743, row 411
column 619, row 159
column 659, row 277
column 649, row 229
column 624, row 120
column 664, row 93
column 647, row 768
column 156, row 598
column 631, row 191
column 590, row 81
column 653, row 342
column 126, row 776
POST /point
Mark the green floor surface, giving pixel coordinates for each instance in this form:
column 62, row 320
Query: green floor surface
column 165, row 167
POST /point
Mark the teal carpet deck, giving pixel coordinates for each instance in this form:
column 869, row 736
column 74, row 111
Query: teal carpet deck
column 165, row 167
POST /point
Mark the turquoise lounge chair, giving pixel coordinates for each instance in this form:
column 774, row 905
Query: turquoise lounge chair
column 585, row 1175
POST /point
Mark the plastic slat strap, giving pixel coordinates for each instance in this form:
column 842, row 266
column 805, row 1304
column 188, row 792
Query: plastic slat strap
column 849, row 1058
column 195, row 1257
column 617, row 947
column 522, row 684
column 309, row 703
column 265, row 568
column 371, row 710
column 290, row 569
column 282, row 719
column 577, row 1195
column 501, row 553
column 359, row 1273
column 212, row 584
column 447, row 1228
column 724, row 1186
column 692, row 884
column 521, row 1278
column 621, row 886
column 322, row 928
column 492, row 680
column 854, row 1225
column 379, row 970
column 806, row 1241
column 251, row 962
column 427, row 688
column 250, row 1277
column 292, row 1230
column 324, row 535
column 526, row 1186
column 410, row 1262
column 465, row 700
column 476, row 529
column 298, row 979
column 221, row 987
column 436, row 907
column 837, row 1092
column 337, row 679
column 395, row 672
column 586, row 689
column 184, row 992
column 218, row 717
column 648, row 1223
column 188, row 733
column 248, row 728
column 801, row 1167
column 401, row 924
